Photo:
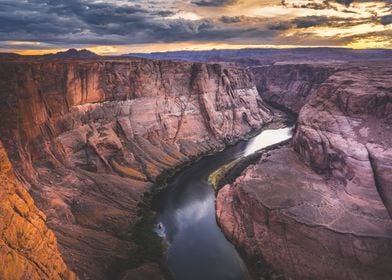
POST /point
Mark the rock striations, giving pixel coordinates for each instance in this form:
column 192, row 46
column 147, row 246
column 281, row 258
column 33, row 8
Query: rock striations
column 321, row 209
column 88, row 138
column 28, row 249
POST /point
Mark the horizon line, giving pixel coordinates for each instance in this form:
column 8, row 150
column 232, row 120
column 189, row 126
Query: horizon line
column 43, row 52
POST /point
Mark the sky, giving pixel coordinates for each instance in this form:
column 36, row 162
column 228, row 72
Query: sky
column 125, row 26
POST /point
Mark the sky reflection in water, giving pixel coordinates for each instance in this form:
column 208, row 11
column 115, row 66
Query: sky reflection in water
column 186, row 217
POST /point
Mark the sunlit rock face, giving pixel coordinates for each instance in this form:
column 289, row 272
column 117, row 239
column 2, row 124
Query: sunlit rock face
column 88, row 138
column 28, row 249
column 321, row 209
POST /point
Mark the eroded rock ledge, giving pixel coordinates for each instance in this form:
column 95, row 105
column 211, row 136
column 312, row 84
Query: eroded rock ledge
column 88, row 138
column 321, row 209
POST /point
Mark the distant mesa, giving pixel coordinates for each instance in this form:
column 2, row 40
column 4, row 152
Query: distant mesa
column 74, row 53
column 261, row 56
column 69, row 54
column 5, row 56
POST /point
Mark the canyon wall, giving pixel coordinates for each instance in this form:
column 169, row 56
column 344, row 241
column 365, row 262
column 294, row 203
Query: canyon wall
column 288, row 86
column 28, row 249
column 321, row 209
column 89, row 138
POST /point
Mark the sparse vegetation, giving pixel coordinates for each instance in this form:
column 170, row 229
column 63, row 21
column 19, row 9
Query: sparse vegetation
column 216, row 176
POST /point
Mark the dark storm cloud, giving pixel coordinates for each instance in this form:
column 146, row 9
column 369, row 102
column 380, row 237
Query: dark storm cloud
column 59, row 23
column 206, row 30
column 86, row 22
column 279, row 26
column 226, row 19
column 386, row 19
column 326, row 4
column 305, row 22
column 213, row 3
column 164, row 13
column 345, row 2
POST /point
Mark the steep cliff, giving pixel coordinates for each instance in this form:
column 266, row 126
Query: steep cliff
column 88, row 138
column 322, row 208
column 28, row 249
column 288, row 86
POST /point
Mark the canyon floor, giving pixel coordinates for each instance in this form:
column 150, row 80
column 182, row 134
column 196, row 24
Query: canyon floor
column 87, row 141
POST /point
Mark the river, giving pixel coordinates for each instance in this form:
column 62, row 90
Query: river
column 197, row 248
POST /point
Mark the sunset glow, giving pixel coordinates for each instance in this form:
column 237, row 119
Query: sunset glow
column 116, row 27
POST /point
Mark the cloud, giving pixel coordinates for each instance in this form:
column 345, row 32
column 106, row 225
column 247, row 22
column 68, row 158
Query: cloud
column 381, row 39
column 213, row 3
column 345, row 2
column 325, row 4
column 307, row 4
column 386, row 19
column 279, row 25
column 310, row 21
column 44, row 24
column 84, row 21
column 226, row 19
column 88, row 22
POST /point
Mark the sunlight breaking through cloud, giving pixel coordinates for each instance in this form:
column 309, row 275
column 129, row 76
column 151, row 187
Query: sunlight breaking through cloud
column 114, row 26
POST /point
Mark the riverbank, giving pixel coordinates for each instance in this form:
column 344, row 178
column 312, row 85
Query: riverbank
column 227, row 173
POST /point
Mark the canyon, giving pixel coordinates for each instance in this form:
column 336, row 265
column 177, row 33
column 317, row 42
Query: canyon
column 90, row 140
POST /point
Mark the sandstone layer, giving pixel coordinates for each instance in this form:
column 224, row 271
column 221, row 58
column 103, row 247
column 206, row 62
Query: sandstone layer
column 88, row 138
column 321, row 209
column 28, row 249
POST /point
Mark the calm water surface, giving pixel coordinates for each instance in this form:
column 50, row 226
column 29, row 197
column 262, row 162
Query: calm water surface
column 197, row 248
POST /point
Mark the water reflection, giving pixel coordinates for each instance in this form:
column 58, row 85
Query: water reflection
column 186, row 217
column 267, row 138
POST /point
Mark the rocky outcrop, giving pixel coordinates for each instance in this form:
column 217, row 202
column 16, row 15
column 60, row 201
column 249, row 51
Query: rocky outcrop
column 321, row 209
column 28, row 249
column 89, row 138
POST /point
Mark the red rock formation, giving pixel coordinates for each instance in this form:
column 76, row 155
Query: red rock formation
column 88, row 138
column 28, row 249
column 328, row 219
